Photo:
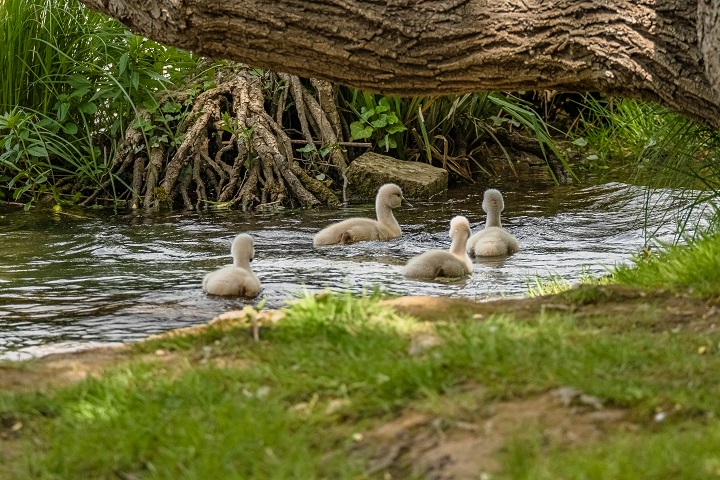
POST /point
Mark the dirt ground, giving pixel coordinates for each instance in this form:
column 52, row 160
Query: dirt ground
column 443, row 448
column 449, row 446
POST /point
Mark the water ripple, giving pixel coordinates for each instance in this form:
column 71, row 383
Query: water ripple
column 118, row 278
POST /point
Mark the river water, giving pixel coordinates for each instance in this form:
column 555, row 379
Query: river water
column 70, row 279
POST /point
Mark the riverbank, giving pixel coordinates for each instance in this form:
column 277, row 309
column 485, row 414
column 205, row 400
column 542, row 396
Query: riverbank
column 597, row 382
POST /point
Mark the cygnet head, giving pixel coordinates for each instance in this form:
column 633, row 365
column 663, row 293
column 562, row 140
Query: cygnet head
column 459, row 224
column 493, row 201
column 390, row 195
column 242, row 248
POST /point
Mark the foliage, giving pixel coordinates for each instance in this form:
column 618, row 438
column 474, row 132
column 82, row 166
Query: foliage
column 73, row 79
column 448, row 131
column 375, row 120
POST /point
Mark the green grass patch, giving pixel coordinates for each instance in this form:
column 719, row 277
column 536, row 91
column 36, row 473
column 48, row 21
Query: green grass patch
column 677, row 451
column 221, row 405
column 693, row 268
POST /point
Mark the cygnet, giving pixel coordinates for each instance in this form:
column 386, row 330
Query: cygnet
column 451, row 263
column 236, row 279
column 493, row 240
column 353, row 230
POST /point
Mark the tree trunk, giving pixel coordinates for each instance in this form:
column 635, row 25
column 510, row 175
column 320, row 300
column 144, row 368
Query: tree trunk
column 661, row 50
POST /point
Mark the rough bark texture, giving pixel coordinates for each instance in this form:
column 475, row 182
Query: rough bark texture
column 660, row 50
column 231, row 151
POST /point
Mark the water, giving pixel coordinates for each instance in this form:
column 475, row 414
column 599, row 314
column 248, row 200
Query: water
column 68, row 280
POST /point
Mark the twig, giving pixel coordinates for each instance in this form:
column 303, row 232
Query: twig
column 342, row 144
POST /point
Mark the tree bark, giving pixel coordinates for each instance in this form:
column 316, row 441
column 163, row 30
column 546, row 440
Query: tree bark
column 660, row 50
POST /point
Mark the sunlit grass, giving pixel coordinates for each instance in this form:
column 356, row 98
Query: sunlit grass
column 554, row 283
column 693, row 268
column 220, row 404
column 674, row 451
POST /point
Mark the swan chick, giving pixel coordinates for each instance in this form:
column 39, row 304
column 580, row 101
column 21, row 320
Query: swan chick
column 352, row 230
column 452, row 263
column 236, row 279
column 493, row 240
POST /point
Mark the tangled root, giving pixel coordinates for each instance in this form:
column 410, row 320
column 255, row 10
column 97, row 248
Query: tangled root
column 233, row 152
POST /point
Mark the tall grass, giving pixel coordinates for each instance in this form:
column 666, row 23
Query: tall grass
column 72, row 79
column 447, row 131
column 647, row 144
column 656, row 143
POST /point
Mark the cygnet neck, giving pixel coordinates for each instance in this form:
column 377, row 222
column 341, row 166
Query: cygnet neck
column 493, row 219
column 385, row 215
column 457, row 247
column 241, row 261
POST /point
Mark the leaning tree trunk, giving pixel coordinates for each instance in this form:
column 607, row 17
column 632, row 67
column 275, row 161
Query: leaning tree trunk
column 233, row 152
column 660, row 50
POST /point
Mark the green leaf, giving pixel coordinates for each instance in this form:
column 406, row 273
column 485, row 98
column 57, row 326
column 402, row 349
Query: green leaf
column 366, row 114
column 358, row 131
column 135, row 78
column 122, row 63
column 79, row 93
column 36, row 151
column 307, row 148
column 580, row 142
column 387, row 142
column 63, row 112
column 171, row 107
column 380, row 122
column 46, row 122
column 78, row 81
column 89, row 108
column 70, row 128
column 395, row 128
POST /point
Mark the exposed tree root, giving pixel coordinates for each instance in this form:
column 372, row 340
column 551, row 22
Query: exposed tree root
column 234, row 152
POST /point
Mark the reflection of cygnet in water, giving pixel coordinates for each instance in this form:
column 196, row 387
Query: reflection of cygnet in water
column 493, row 240
column 451, row 263
column 236, row 279
column 353, row 230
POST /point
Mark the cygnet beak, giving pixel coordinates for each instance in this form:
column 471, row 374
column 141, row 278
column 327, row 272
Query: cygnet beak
column 406, row 203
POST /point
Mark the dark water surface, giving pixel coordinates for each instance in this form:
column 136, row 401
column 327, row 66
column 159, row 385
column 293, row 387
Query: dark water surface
column 95, row 277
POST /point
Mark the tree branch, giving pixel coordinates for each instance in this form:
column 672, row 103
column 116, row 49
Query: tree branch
column 660, row 50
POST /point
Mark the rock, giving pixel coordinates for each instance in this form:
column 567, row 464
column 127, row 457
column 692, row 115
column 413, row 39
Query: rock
column 370, row 171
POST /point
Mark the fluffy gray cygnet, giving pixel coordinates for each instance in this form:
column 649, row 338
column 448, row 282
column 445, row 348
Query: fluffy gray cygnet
column 451, row 263
column 236, row 279
column 353, row 230
column 493, row 240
